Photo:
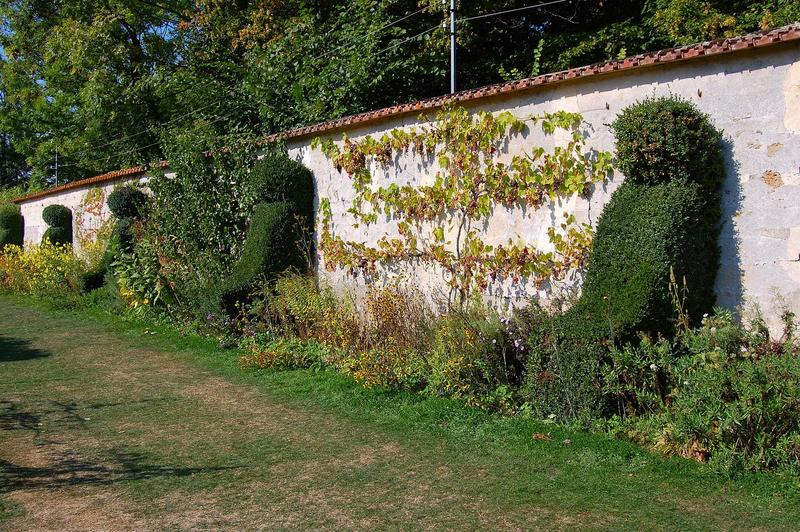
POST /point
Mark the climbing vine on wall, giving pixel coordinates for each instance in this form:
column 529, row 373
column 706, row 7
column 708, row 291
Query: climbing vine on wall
column 92, row 229
column 438, row 224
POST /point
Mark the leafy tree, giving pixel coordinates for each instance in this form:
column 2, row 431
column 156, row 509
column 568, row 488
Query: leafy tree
column 78, row 75
column 98, row 81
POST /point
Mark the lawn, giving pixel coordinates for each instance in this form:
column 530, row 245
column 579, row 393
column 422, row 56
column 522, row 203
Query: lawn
column 113, row 424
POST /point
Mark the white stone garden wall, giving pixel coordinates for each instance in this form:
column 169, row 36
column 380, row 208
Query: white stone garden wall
column 752, row 95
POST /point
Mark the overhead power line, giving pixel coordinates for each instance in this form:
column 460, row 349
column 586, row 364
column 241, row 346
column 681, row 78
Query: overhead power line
column 119, row 139
column 400, row 43
column 515, row 10
column 369, row 34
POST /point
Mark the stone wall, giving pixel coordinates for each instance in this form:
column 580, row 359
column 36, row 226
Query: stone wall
column 752, row 95
column 89, row 211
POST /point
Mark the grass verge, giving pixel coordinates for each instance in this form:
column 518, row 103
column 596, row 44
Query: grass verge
column 164, row 430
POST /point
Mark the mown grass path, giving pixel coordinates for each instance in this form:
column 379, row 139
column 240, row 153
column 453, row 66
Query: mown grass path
column 111, row 425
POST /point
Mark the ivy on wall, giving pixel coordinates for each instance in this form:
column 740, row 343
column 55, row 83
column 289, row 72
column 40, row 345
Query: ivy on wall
column 92, row 229
column 439, row 224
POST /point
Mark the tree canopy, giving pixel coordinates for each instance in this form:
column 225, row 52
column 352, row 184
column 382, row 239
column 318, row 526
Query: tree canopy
column 102, row 83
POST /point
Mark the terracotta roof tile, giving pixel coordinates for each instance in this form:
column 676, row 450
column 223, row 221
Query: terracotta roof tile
column 670, row 55
column 103, row 178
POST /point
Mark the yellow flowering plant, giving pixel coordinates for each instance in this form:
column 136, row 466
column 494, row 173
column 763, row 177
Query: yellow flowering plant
column 39, row 269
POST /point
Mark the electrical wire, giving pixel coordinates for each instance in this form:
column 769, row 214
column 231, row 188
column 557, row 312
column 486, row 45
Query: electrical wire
column 140, row 148
column 400, row 43
column 515, row 10
column 119, row 139
column 370, row 34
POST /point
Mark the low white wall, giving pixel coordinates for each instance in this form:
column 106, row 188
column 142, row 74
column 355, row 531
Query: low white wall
column 753, row 96
column 87, row 217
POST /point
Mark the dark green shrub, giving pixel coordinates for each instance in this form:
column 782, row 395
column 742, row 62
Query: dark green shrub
column 663, row 139
column 123, row 234
column 11, row 226
column 268, row 248
column 642, row 233
column 563, row 370
column 57, row 216
column 660, row 225
column 733, row 397
column 57, row 235
column 285, row 192
column 127, row 202
column 96, row 277
column 277, row 178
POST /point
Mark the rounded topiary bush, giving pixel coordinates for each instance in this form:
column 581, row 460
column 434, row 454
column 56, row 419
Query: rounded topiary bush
column 643, row 232
column 668, row 138
column 269, row 249
column 59, row 218
column 277, row 178
column 127, row 202
column 11, row 225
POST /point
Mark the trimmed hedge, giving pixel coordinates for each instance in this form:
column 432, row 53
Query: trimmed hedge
column 664, row 216
column 59, row 218
column 277, row 178
column 642, row 233
column 284, row 190
column 127, row 202
column 269, row 249
column 663, row 139
column 11, row 226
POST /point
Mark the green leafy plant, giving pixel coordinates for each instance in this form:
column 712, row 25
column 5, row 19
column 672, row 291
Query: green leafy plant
column 469, row 186
column 563, row 381
column 723, row 392
column 59, row 220
column 11, row 225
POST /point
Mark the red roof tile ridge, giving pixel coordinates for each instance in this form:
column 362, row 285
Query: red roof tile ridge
column 669, row 55
column 98, row 179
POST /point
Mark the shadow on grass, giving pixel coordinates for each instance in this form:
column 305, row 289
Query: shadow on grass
column 58, row 413
column 12, row 418
column 68, row 469
column 15, row 349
